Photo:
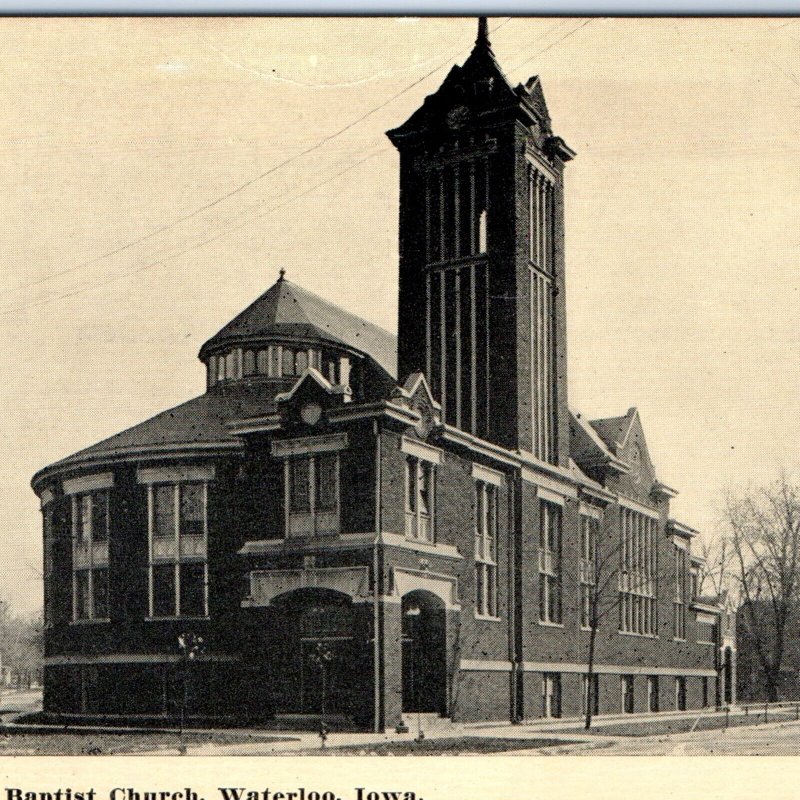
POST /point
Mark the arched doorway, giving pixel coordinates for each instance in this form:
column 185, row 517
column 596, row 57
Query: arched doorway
column 727, row 675
column 312, row 652
column 424, row 653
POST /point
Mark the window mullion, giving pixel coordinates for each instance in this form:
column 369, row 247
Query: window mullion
column 312, row 492
column 418, row 495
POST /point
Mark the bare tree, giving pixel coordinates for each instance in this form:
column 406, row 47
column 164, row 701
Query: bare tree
column 718, row 559
column 763, row 528
column 21, row 646
column 600, row 577
column 616, row 571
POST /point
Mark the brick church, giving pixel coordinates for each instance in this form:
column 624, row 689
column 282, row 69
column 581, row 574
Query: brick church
column 365, row 526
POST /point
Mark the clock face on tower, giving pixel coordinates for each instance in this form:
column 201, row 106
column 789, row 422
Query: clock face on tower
column 457, row 116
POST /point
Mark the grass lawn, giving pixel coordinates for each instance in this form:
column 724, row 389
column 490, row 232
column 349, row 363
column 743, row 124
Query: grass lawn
column 659, row 727
column 77, row 743
column 453, row 746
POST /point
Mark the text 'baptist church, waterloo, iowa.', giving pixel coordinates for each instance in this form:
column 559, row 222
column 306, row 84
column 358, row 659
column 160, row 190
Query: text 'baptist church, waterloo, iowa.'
column 366, row 526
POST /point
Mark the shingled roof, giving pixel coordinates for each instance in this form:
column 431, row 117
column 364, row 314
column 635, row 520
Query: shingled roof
column 614, row 430
column 200, row 423
column 288, row 310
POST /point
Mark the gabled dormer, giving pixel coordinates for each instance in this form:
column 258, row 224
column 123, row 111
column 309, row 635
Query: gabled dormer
column 624, row 438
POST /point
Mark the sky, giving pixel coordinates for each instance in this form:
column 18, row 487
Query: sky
column 147, row 200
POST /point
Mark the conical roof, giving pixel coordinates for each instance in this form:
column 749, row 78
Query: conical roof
column 287, row 311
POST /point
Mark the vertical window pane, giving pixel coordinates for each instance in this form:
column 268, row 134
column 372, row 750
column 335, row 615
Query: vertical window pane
column 300, row 362
column 99, row 516
column 483, row 226
column 491, row 590
column 82, row 598
column 275, row 361
column 479, row 588
column 425, row 489
column 480, row 513
column 543, row 524
column 84, row 517
column 164, row 590
column 230, row 364
column 212, row 371
column 326, row 489
column 542, row 597
column 164, row 511
column 193, row 579
column 411, row 484
column 288, row 362
column 299, row 485
column 191, row 509
column 492, row 521
column 262, row 363
column 249, row 362
column 100, row 586
column 220, row 368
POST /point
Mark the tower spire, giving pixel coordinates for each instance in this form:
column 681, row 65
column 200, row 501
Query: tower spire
column 483, row 33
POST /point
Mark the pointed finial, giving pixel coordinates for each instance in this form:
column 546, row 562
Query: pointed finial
column 282, row 274
column 483, row 33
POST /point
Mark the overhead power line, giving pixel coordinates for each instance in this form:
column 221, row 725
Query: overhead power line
column 208, row 240
column 228, row 230
column 242, row 186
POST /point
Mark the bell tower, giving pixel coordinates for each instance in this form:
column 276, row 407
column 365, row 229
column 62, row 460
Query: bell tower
column 482, row 305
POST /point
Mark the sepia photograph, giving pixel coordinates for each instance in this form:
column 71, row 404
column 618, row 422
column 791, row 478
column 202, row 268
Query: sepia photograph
column 398, row 386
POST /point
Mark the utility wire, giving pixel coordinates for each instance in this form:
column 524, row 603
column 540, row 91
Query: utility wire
column 558, row 41
column 161, row 260
column 242, row 186
column 228, row 230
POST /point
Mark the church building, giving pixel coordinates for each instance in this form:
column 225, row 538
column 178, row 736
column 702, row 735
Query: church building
column 366, row 526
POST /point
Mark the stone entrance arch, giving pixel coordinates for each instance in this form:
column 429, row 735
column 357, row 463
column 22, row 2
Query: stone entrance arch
column 312, row 649
column 424, row 652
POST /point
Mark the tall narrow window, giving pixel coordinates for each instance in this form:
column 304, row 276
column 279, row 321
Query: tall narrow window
column 90, row 527
column 300, row 485
column 287, row 362
column 588, row 566
column 549, row 562
column 551, row 694
column 543, row 374
column 637, row 575
column 248, row 363
column 313, row 494
column 680, row 694
column 679, row 603
column 652, row 693
column 419, row 499
column 178, row 535
column 626, row 682
column 483, row 231
column 485, row 549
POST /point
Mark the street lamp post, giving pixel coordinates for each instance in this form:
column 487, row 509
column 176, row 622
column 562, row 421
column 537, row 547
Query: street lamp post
column 190, row 646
